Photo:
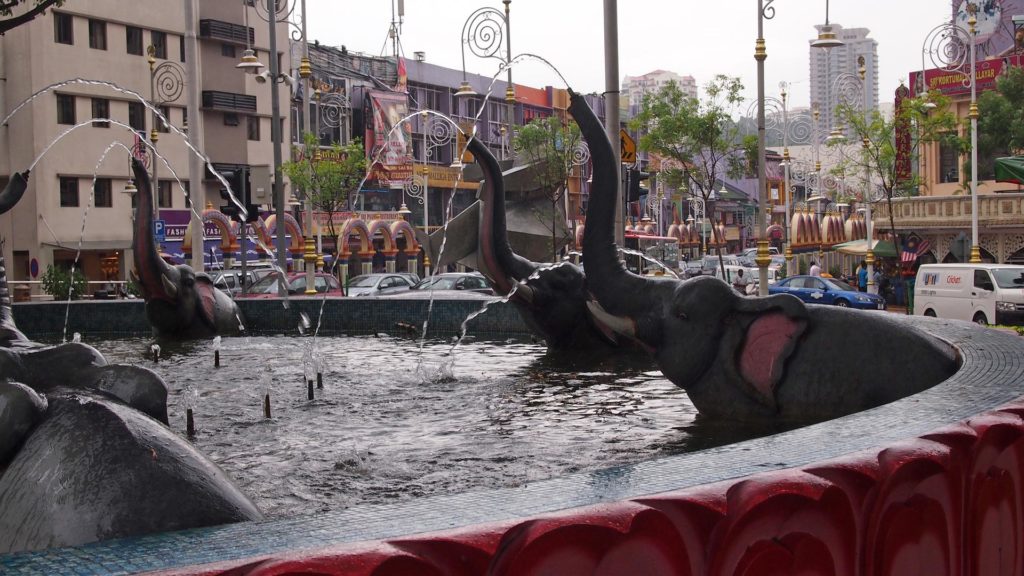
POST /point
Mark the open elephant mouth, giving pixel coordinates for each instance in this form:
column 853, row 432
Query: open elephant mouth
column 758, row 343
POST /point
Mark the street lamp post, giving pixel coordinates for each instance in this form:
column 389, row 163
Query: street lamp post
column 269, row 10
column 697, row 208
column 846, row 88
column 763, row 259
column 166, row 82
column 945, row 45
column 483, row 32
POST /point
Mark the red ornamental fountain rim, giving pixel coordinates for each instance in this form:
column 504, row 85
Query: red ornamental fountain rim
column 485, row 527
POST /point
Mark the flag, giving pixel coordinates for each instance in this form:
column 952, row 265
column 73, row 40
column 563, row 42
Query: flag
column 912, row 251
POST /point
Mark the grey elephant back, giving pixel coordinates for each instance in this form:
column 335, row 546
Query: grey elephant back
column 95, row 469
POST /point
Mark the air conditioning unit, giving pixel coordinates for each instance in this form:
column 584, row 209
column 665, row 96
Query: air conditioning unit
column 260, row 181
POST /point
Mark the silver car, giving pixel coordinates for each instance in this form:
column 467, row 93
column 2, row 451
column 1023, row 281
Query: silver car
column 377, row 284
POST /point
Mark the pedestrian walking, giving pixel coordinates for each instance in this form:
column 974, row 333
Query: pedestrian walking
column 862, row 276
column 815, row 269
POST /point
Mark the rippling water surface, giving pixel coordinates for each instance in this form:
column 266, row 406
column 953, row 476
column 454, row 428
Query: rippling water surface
column 395, row 421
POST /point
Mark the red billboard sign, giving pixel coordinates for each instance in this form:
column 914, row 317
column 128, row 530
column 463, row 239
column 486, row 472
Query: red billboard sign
column 957, row 83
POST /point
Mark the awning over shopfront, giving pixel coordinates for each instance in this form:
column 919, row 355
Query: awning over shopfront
column 1010, row 169
column 882, row 248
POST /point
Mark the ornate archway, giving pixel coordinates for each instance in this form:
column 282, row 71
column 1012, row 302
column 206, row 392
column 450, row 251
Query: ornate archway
column 291, row 226
column 228, row 239
column 402, row 229
column 354, row 227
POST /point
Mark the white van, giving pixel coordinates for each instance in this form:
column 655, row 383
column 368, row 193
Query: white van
column 982, row 293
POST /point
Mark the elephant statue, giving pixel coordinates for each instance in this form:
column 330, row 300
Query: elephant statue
column 180, row 303
column 748, row 358
column 85, row 452
column 550, row 298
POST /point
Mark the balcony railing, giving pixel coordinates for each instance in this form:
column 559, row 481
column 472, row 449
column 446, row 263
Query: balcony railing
column 219, row 30
column 925, row 212
column 216, row 100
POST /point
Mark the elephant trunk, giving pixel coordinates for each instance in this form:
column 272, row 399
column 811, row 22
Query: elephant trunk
column 500, row 264
column 10, row 196
column 615, row 288
column 156, row 277
column 13, row 192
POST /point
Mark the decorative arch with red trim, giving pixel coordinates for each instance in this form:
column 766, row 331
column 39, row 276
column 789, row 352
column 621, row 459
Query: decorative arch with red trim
column 291, row 226
column 228, row 239
column 350, row 227
column 402, row 229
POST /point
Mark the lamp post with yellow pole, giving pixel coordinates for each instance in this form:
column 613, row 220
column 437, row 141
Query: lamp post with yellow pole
column 945, row 45
column 166, row 82
column 483, row 33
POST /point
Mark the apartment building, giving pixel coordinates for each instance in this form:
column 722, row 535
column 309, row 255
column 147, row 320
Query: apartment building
column 110, row 42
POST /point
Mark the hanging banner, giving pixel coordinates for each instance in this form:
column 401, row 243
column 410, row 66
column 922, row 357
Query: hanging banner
column 389, row 148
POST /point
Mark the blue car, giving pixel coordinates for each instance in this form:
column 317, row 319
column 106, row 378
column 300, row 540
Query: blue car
column 818, row 290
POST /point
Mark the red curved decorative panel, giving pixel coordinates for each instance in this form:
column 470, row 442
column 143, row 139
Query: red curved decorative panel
column 948, row 503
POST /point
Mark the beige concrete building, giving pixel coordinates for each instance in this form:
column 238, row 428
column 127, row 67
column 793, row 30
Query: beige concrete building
column 107, row 41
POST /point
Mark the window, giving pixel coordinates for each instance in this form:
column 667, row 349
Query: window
column 181, row 48
column 101, row 193
column 65, row 109
column 63, row 28
column 253, row 125
column 97, row 34
column 227, row 50
column 949, row 163
column 159, row 41
column 137, row 116
column 230, row 119
column 161, row 126
column 68, row 192
column 101, row 109
column 184, row 118
column 983, row 281
column 165, row 194
column 133, row 38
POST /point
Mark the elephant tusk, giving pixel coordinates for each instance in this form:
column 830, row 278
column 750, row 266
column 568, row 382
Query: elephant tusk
column 524, row 290
column 169, row 286
column 620, row 324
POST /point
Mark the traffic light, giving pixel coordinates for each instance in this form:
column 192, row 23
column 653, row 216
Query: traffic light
column 633, row 178
column 238, row 179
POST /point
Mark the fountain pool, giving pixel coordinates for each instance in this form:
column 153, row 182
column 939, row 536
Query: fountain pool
column 379, row 431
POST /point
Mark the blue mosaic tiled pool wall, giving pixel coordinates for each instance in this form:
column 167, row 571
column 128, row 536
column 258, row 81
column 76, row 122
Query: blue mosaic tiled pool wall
column 46, row 320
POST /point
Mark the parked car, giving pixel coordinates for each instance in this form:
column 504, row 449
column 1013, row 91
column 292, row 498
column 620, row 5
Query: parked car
column 467, row 281
column 692, row 268
column 377, row 284
column 819, row 290
column 268, row 286
column 230, row 280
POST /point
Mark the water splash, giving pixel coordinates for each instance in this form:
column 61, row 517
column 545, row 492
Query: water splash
column 654, row 261
column 76, row 338
column 81, row 236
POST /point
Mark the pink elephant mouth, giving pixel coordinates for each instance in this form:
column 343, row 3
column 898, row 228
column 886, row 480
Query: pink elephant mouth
column 770, row 339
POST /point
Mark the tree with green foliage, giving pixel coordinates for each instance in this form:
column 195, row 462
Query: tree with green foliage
column 18, row 12
column 700, row 136
column 59, row 283
column 929, row 118
column 1001, row 116
column 328, row 179
column 549, row 147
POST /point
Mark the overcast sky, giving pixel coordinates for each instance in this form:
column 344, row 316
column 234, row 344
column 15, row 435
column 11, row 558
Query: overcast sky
column 690, row 37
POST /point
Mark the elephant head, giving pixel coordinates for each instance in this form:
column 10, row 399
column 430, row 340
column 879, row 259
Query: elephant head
column 551, row 298
column 770, row 358
column 179, row 302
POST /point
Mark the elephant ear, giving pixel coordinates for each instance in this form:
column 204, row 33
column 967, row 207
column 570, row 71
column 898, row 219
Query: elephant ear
column 768, row 332
column 206, row 293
